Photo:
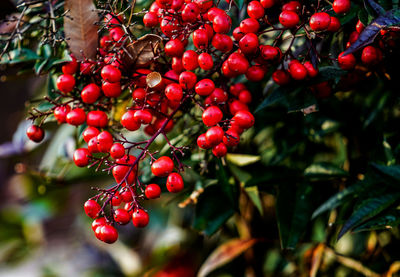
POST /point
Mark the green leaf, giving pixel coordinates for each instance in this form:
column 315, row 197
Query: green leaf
column 242, row 159
column 293, row 209
column 277, row 96
column 327, row 73
column 368, row 209
column 391, row 171
column 386, row 220
column 19, row 56
column 254, row 196
column 324, row 170
column 377, row 8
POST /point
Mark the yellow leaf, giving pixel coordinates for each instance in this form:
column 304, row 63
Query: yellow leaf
column 242, row 159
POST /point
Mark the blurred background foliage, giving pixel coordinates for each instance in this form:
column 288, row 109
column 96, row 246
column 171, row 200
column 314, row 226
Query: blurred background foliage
column 304, row 194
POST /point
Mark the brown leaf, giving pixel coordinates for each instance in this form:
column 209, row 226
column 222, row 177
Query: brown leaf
column 80, row 29
column 224, row 254
column 142, row 52
column 10, row 23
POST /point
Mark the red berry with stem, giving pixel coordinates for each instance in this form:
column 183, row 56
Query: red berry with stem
column 214, row 135
column 231, row 138
column 289, row 19
column 174, row 182
column 200, row 38
column 90, row 93
column 320, row 21
column 190, row 12
column 222, row 42
column 76, row 117
column 187, row 80
column 249, row 44
column 255, row 10
column 152, row 191
column 140, row 218
column 162, row 166
column 92, row 208
column 35, row 133
column 97, row 119
column 70, row 67
column 108, row 234
column 81, row 157
column 111, row 89
column 110, row 74
column 202, row 142
column 121, row 216
column 189, row 60
column 65, row 83
column 244, row 119
column 212, row 116
column 297, row 71
column 60, row 113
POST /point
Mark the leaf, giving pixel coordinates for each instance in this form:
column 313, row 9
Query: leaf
column 80, row 28
column 324, row 170
column 278, row 96
column 19, row 56
column 368, row 209
column 224, row 254
column 377, row 8
column 293, row 209
column 390, row 218
column 254, row 196
column 391, row 171
column 242, row 159
column 327, row 73
column 368, row 35
column 142, row 52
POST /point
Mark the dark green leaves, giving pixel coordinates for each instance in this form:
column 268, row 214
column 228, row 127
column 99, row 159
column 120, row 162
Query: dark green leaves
column 19, row 56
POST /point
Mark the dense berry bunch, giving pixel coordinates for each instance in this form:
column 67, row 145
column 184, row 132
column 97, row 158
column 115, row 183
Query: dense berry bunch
column 201, row 61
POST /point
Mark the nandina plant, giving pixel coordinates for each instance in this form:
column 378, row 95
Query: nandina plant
column 118, row 72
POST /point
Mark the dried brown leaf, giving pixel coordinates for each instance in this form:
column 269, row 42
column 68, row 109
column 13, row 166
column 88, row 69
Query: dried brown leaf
column 224, row 254
column 80, row 29
column 10, row 23
column 143, row 51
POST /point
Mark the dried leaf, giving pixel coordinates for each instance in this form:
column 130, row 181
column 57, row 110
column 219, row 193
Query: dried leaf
column 80, row 29
column 142, row 52
column 224, row 254
column 8, row 25
column 153, row 79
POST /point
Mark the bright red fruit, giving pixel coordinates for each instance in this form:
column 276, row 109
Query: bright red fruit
column 255, row 10
column 249, row 25
column 97, row 119
column 143, row 116
column 105, row 141
column 222, row 42
column 200, row 38
column 35, row 133
column 108, row 234
column 320, row 21
column 281, row 77
column 346, row 62
column 117, row 150
column 76, row 117
column 89, row 133
column 189, row 60
column 202, row 142
column 174, row 182
column 297, row 70
column 187, row 79
column 205, row 61
column 92, row 208
column 174, row 92
column 341, row 6
column 162, row 166
column 110, row 74
column 249, row 43
column 214, row 135
column 152, row 191
column 220, row 150
column 65, row 83
column 60, row 113
column 90, row 93
column 244, row 119
column 369, row 55
column 140, row 218
column 129, row 122
column 111, row 89
column 121, row 216
column 289, row 19
column 81, row 157
column 221, row 23
column 212, row 116
column 205, row 87
column 98, row 222
column 150, row 19
column 174, row 48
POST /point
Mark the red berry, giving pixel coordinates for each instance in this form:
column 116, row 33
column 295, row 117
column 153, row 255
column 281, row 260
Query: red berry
column 369, row 55
column 212, row 116
column 205, row 87
column 236, row 106
column 150, row 19
column 269, row 53
column 255, row 73
column 97, row 119
column 105, row 141
column 293, row 6
column 311, row 70
column 297, row 70
column 205, row 61
column 92, row 208
column 218, row 96
column 245, row 96
column 60, row 113
column 289, row 19
column 341, row 6
column 117, row 151
column 65, row 83
column 81, row 157
column 152, row 191
column 244, row 119
column 222, row 42
column 320, row 21
column 128, row 121
column 35, row 133
column 121, row 216
column 211, row 13
column 202, row 142
column 249, row 25
column 174, row 92
column 200, row 38
column 334, row 26
column 255, row 10
column 126, row 195
column 235, row 89
column 140, row 218
column 214, row 135
column 111, row 89
column 174, row 48
column 237, row 34
column 108, row 234
column 174, row 182
column 221, row 23
column 189, row 60
column 110, row 74
column 281, row 77
column 70, row 67
column 187, row 79
column 162, row 166
column 231, row 138
column 220, row 150
column 90, row 93
column 89, row 133
column 359, row 27
column 190, row 12
column 143, row 116
column 98, row 222
column 249, row 44
column 93, row 145
column 238, row 63
column 267, row 3
column 177, row 65
column 346, row 62
column 76, row 117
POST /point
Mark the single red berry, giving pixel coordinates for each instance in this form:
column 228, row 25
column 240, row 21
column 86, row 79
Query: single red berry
column 174, row 182
column 249, row 25
column 255, row 73
column 347, row 62
column 249, row 44
column 126, row 195
column 214, row 135
column 212, row 116
column 202, row 142
column 128, row 121
column 162, row 166
column 70, row 67
column 238, row 63
column 320, row 21
column 255, row 10
column 187, row 79
column 90, row 93
column 204, row 87
column 93, row 145
column 81, row 157
column 289, row 19
column 211, row 13
column 334, row 26
column 281, row 77
column 244, row 119
column 110, row 74
column 89, row 133
column 269, row 53
column 111, row 89
column 98, row 222
column 235, row 89
column 218, row 96
column 220, row 150
column 92, row 208
column 143, row 116
column 140, row 218
column 117, row 151
column 85, row 68
column 190, row 12
column 359, row 27
column 189, row 60
column 267, row 3
column 236, row 106
column 35, row 133
column 65, row 83
column 245, row 96
column 150, row 19
column 311, row 70
column 221, row 23
column 231, row 138
column 121, row 216
column 76, row 117
column 293, row 6
column 177, row 65
column 222, row 42
column 97, row 119
column 205, row 61
column 60, row 113
column 105, row 141
column 174, row 48
column 152, row 191
column 108, row 234
column 297, row 71
column 341, row 6
column 200, row 38
column 369, row 55
column 174, row 92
